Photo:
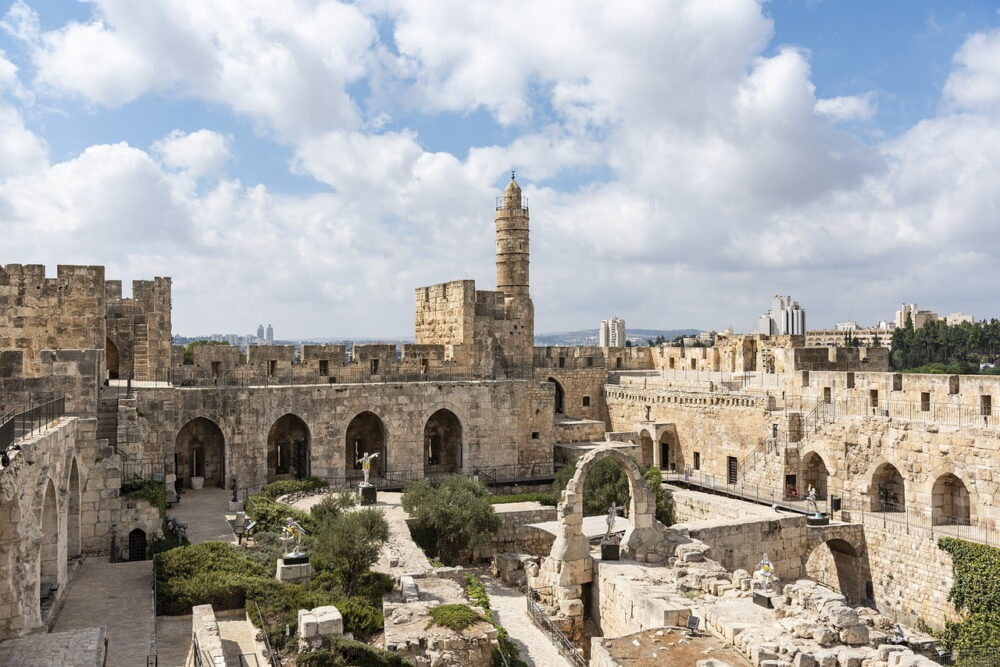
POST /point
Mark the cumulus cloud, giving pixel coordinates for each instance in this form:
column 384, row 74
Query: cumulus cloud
column 847, row 107
column 974, row 83
column 197, row 153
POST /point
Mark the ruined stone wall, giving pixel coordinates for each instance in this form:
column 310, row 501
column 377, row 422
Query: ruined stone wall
column 62, row 313
column 503, row 422
column 686, row 358
column 583, row 390
column 626, row 598
column 515, row 536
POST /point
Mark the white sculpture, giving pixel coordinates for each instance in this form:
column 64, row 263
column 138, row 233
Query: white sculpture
column 811, row 501
column 612, row 514
column 292, row 531
column 763, row 574
column 366, row 466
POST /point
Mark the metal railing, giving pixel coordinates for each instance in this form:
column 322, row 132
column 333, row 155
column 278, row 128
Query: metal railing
column 30, row 419
column 142, row 468
column 908, row 520
column 538, row 616
column 953, row 414
column 977, row 657
column 271, row 657
column 763, row 494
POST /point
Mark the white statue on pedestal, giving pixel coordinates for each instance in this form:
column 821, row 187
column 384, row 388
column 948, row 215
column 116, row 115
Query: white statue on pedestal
column 292, row 531
column 763, row 574
column 366, row 466
column 612, row 514
column 811, row 501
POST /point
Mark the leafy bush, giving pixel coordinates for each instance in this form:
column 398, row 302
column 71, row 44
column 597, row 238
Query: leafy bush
column 333, row 505
column 550, row 499
column 976, row 592
column 361, row 617
column 477, row 593
column 283, row 487
column 208, row 573
column 270, row 516
column 351, row 542
column 345, row 652
column 455, row 515
column 454, row 616
column 155, row 493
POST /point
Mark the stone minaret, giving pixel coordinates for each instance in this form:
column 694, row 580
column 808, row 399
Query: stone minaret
column 512, row 242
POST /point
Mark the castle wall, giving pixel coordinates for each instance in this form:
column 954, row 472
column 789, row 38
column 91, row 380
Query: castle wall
column 578, row 384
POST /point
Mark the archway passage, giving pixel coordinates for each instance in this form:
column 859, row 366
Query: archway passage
column 200, row 451
column 645, row 448
column 73, row 513
column 837, row 564
column 671, row 457
column 365, row 434
column 814, row 474
column 111, row 359
column 137, row 544
column 560, row 396
column 442, row 443
column 288, row 449
column 950, row 502
column 888, row 493
column 48, row 550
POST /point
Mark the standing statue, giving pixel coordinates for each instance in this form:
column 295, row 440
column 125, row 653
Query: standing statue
column 764, row 574
column 292, row 531
column 612, row 515
column 234, row 489
column 366, row 466
column 811, row 501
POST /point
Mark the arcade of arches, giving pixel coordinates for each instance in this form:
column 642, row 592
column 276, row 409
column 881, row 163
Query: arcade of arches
column 365, row 435
column 200, row 451
column 48, row 556
column 288, row 449
column 442, row 443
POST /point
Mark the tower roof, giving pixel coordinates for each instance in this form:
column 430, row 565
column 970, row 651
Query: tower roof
column 512, row 188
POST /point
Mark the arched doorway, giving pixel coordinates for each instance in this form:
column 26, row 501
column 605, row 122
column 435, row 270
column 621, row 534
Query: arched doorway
column 950, row 502
column 200, row 451
column 814, row 474
column 888, row 492
column 365, row 433
column 560, row 396
column 442, row 443
column 137, row 544
column 73, row 513
column 288, row 449
column 671, row 457
column 836, row 563
column 645, row 448
column 111, row 358
column 48, row 550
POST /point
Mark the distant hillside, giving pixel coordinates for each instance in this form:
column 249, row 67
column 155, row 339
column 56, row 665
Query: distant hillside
column 589, row 336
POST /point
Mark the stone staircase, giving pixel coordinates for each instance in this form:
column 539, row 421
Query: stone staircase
column 107, row 420
column 140, row 350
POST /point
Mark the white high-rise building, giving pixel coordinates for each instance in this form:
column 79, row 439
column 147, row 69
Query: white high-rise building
column 786, row 318
column 612, row 333
column 270, row 335
column 260, row 332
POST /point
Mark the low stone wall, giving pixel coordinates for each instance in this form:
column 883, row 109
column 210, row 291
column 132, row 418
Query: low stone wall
column 698, row 506
column 515, row 536
column 579, row 430
column 206, row 642
column 628, row 598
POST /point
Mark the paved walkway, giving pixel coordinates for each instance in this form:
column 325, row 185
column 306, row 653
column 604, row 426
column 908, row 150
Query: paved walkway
column 205, row 512
column 511, row 612
column 118, row 596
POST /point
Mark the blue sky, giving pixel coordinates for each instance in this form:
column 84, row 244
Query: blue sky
column 309, row 164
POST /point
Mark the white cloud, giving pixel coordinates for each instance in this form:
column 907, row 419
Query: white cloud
column 974, row 83
column 847, row 107
column 21, row 22
column 20, row 149
column 199, row 153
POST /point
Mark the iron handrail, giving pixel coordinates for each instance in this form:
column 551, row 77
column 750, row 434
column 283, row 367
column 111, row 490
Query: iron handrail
column 271, row 657
column 538, row 616
column 26, row 422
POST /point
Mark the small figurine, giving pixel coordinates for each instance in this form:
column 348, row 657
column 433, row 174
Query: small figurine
column 811, row 501
column 612, row 514
column 764, row 573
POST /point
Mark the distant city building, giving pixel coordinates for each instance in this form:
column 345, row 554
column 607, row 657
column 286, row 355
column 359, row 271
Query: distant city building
column 959, row 318
column 847, row 326
column 786, row 318
column 260, row 332
column 612, row 333
column 918, row 317
column 707, row 337
column 869, row 337
column 885, row 325
column 270, row 335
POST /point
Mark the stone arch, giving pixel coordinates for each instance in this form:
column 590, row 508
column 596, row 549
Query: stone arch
column 442, row 443
column 951, row 503
column 200, row 450
column 814, row 473
column 888, row 490
column 288, row 448
column 671, row 456
column 840, row 565
column 112, row 360
column 73, row 546
column 48, row 549
column 646, row 447
column 366, row 432
column 560, row 397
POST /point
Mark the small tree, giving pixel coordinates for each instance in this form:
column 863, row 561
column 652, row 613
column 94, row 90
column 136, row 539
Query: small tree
column 351, row 542
column 456, row 516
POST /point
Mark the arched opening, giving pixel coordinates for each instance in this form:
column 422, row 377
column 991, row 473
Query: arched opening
column 838, row 565
column 200, row 451
column 442, row 443
column 48, row 550
column 645, row 448
column 137, row 544
column 671, row 457
column 814, row 474
column 560, row 396
column 887, row 491
column 73, row 513
column 288, row 449
column 365, row 434
column 111, row 358
column 950, row 503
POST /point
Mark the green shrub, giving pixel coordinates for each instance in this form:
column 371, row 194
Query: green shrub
column 550, row 499
column 454, row 616
column 155, row 493
column 283, row 487
column 270, row 516
column 344, row 652
column 361, row 617
column 333, row 505
column 976, row 592
column 351, row 542
column 457, row 513
column 477, row 593
column 208, row 573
